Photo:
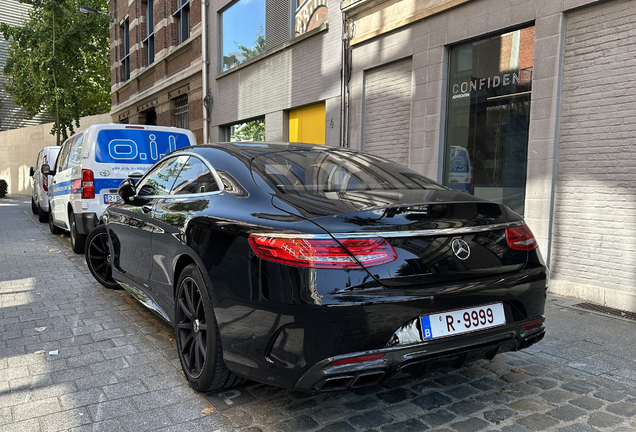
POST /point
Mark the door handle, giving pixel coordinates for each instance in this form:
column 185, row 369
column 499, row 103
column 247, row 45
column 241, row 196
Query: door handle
column 147, row 208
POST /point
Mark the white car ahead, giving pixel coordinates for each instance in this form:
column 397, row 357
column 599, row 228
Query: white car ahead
column 92, row 164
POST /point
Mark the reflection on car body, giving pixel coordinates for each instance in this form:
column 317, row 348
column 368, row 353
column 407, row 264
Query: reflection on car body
column 318, row 268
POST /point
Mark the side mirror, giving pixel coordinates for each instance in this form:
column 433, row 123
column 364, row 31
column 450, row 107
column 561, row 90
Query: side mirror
column 31, row 172
column 46, row 169
column 127, row 189
column 135, row 176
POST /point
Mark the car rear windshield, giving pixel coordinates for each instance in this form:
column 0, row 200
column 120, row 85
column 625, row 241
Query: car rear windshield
column 309, row 171
column 131, row 146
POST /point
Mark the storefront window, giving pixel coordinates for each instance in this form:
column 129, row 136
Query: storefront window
column 488, row 116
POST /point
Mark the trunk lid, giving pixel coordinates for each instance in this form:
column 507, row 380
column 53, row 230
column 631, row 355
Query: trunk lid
column 445, row 236
column 439, row 235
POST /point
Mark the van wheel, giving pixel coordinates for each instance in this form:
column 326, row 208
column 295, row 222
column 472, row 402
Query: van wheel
column 197, row 335
column 52, row 227
column 34, row 208
column 77, row 239
column 42, row 215
column 98, row 258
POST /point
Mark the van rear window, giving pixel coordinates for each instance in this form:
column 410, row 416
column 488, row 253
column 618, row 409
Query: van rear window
column 136, row 146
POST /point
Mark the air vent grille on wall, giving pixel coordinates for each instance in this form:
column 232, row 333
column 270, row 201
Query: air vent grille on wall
column 606, row 310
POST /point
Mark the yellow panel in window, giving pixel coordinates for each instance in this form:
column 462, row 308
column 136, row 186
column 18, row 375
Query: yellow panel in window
column 307, row 124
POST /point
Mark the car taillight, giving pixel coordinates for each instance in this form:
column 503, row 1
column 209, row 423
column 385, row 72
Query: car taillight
column 520, row 238
column 322, row 253
column 88, row 185
column 358, row 359
column 45, row 183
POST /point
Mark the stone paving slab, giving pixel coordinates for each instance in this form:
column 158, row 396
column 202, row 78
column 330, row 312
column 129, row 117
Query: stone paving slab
column 116, row 367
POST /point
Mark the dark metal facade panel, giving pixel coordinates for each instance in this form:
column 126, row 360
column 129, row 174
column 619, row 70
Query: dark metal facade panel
column 277, row 22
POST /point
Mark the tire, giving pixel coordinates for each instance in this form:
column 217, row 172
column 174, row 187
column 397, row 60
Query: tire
column 77, row 239
column 42, row 215
column 97, row 254
column 197, row 335
column 52, row 227
column 34, row 208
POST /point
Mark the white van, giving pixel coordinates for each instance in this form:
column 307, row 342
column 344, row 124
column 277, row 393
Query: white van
column 40, row 182
column 91, row 165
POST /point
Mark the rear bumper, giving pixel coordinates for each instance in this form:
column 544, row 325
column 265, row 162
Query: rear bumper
column 85, row 222
column 43, row 203
column 295, row 346
column 417, row 358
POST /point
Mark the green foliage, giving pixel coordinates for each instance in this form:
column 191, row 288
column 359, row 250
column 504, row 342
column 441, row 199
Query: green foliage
column 59, row 62
column 249, row 131
column 3, row 188
column 259, row 47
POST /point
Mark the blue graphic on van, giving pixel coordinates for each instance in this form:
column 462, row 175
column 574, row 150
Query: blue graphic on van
column 136, row 146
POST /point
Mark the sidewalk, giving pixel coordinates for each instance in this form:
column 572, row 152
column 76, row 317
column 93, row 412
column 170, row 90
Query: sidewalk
column 75, row 356
column 115, row 367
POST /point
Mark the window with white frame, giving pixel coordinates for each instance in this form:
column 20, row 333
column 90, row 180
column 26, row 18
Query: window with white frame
column 182, row 18
column 149, row 41
column 125, row 61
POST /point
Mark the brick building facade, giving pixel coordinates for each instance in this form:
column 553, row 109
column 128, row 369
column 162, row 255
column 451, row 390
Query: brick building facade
column 156, row 63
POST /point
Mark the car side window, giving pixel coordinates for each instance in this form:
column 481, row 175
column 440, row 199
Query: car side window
column 75, row 153
column 60, row 164
column 160, row 180
column 195, row 177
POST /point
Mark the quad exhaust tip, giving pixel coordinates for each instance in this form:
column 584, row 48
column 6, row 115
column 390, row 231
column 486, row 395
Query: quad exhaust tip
column 342, row 382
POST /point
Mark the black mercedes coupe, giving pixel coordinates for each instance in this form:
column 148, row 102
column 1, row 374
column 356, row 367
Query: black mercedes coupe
column 318, row 268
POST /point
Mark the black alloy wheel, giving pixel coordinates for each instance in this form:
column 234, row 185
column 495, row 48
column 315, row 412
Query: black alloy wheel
column 98, row 257
column 34, row 208
column 52, row 227
column 77, row 239
column 197, row 335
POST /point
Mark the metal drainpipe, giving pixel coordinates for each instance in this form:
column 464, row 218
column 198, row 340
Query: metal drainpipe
column 344, row 86
column 206, row 96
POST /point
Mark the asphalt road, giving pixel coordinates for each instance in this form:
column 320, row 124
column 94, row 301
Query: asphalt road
column 75, row 356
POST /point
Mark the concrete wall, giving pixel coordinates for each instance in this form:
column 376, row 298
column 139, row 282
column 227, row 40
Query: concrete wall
column 19, row 147
column 594, row 241
column 580, row 177
column 374, row 18
column 426, row 42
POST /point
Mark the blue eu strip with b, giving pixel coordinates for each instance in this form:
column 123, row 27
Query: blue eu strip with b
column 427, row 333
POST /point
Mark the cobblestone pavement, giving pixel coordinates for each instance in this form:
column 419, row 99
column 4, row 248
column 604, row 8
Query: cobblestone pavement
column 75, row 356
